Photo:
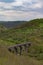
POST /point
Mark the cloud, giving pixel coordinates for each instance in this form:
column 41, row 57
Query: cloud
column 20, row 9
column 23, row 3
column 18, row 15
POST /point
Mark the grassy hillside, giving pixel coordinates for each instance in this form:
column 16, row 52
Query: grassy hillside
column 31, row 31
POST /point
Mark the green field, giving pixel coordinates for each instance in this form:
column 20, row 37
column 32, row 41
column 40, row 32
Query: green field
column 31, row 31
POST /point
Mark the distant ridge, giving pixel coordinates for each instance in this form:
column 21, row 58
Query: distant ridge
column 11, row 24
column 21, row 24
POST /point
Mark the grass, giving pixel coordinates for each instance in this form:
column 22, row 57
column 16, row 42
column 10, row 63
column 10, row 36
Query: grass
column 7, row 58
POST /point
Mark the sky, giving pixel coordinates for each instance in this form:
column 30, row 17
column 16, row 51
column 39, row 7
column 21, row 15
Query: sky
column 16, row 10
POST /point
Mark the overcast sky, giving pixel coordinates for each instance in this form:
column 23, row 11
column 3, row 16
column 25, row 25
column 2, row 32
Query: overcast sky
column 20, row 9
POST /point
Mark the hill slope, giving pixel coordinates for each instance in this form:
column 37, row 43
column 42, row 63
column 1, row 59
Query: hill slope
column 31, row 31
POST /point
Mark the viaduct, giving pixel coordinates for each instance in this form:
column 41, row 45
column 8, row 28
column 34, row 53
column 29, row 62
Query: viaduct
column 18, row 48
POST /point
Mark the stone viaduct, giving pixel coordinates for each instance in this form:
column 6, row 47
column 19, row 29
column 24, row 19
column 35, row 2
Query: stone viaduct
column 18, row 48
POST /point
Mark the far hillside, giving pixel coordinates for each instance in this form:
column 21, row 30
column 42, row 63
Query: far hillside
column 11, row 24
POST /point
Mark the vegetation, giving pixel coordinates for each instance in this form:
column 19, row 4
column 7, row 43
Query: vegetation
column 31, row 31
